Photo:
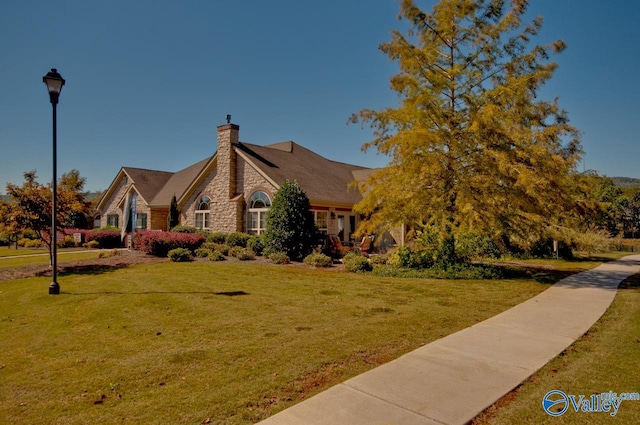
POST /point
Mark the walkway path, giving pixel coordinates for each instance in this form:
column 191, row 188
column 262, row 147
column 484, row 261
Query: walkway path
column 451, row 380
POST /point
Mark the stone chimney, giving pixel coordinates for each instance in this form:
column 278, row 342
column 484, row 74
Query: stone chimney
column 227, row 158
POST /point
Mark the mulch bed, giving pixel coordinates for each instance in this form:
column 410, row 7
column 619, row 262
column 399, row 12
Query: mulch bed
column 124, row 259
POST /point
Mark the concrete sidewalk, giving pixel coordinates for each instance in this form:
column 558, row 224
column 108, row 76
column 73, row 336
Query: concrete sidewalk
column 451, row 380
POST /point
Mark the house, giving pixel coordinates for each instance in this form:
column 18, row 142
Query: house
column 232, row 190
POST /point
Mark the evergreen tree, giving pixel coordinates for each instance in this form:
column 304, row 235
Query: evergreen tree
column 471, row 145
column 290, row 225
column 173, row 219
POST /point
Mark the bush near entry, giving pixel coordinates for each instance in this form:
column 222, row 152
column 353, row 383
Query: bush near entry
column 160, row 243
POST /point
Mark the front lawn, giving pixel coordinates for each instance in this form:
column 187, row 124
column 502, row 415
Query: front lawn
column 33, row 257
column 232, row 343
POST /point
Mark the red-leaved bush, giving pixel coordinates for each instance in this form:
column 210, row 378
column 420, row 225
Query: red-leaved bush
column 160, row 243
column 106, row 238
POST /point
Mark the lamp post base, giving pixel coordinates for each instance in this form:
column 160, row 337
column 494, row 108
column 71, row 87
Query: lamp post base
column 54, row 288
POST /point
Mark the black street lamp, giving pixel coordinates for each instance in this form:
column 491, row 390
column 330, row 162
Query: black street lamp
column 54, row 82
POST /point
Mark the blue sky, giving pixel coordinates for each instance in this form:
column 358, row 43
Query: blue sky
column 149, row 81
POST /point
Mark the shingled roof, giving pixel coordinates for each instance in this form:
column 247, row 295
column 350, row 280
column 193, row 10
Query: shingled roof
column 178, row 183
column 322, row 179
column 147, row 182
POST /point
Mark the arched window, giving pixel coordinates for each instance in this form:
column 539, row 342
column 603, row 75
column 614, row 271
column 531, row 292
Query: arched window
column 203, row 212
column 257, row 208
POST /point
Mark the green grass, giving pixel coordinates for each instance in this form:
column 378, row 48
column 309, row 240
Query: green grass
column 36, row 257
column 178, row 343
column 10, row 252
column 605, row 359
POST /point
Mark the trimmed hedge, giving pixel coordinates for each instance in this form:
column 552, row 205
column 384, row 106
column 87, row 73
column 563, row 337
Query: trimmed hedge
column 160, row 243
column 107, row 239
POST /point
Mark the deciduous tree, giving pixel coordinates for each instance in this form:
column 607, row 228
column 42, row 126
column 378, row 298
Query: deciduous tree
column 472, row 146
column 30, row 207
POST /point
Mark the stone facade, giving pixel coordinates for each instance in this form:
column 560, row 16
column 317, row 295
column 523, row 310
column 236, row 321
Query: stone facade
column 229, row 185
column 112, row 202
column 229, row 182
column 114, row 206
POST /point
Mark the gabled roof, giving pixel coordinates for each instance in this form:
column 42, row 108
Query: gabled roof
column 322, row 179
column 178, row 183
column 147, row 182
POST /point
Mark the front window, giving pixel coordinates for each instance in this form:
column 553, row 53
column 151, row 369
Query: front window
column 322, row 220
column 112, row 220
column 203, row 213
column 141, row 221
column 257, row 208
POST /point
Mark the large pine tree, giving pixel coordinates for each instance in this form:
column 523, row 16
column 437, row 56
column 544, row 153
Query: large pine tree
column 472, row 146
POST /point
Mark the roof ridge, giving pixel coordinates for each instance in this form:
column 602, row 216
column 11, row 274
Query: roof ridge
column 147, row 169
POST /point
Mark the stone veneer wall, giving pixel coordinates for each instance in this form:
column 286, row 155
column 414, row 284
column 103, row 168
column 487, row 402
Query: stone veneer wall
column 112, row 204
column 225, row 185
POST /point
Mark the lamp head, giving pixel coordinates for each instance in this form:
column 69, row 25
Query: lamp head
column 54, row 82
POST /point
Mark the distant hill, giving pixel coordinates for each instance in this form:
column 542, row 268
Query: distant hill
column 623, row 182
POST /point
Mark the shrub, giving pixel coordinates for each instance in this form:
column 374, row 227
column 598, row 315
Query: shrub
column 67, row 242
column 202, row 252
column 179, row 255
column 30, row 234
column 256, row 244
column 592, row 241
column 237, row 239
column 220, row 247
column 279, row 258
column 107, row 229
column 475, row 246
column 106, row 254
column 160, row 243
column 106, row 238
column 317, row 259
column 406, row 257
column 184, row 229
column 30, row 243
column 241, row 253
column 217, row 237
column 378, row 259
column 401, row 257
column 92, row 244
column 215, row 256
column 357, row 263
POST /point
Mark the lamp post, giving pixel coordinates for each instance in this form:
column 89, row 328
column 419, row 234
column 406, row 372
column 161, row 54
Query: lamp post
column 54, row 82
